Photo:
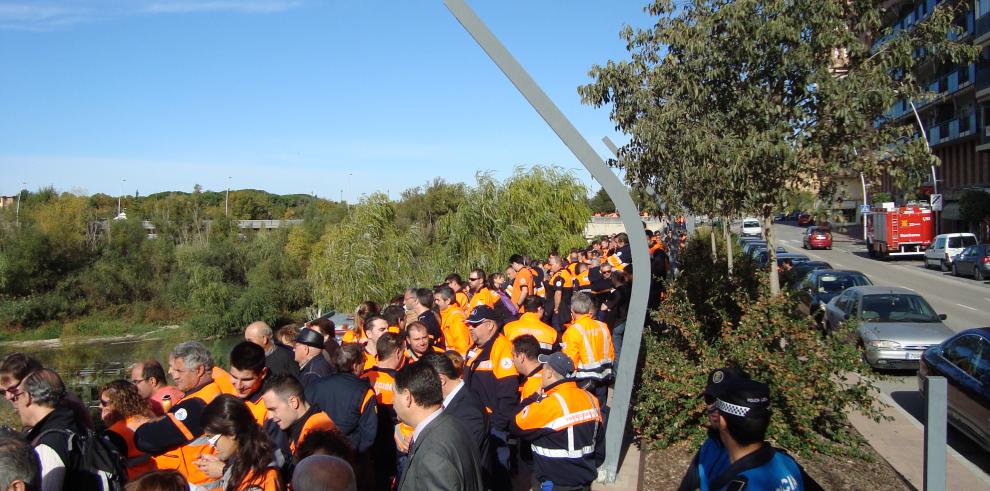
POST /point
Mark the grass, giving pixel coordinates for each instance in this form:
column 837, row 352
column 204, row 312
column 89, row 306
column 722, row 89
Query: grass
column 85, row 327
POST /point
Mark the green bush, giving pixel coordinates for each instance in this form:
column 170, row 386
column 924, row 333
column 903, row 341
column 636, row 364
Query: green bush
column 711, row 319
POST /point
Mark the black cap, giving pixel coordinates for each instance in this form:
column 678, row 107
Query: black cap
column 310, row 337
column 717, row 379
column 744, row 398
column 480, row 314
column 559, row 362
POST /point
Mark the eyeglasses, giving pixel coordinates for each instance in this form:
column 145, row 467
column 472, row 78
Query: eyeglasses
column 473, row 279
column 13, row 391
column 212, row 441
column 136, row 381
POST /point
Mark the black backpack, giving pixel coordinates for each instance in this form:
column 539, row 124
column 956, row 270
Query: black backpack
column 95, row 463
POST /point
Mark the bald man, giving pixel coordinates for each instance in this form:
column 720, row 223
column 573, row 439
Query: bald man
column 323, row 473
column 278, row 358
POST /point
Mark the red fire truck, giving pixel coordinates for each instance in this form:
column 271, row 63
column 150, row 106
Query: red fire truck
column 899, row 231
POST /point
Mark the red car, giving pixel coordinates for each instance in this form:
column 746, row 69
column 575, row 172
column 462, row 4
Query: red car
column 817, row 238
column 805, row 219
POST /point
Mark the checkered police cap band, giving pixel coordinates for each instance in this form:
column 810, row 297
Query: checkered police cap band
column 732, row 409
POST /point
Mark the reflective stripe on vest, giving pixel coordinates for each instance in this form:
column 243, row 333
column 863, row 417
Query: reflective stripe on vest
column 599, row 368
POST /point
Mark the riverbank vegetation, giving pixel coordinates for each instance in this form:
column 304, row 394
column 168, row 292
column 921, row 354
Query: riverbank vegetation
column 68, row 268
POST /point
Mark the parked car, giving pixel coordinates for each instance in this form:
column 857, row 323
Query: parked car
column 793, row 216
column 751, row 228
column 973, row 261
column 821, row 286
column 764, row 257
column 760, row 255
column 817, row 238
column 748, row 247
column 805, row 219
column 896, row 325
column 945, row 248
column 964, row 361
column 802, row 270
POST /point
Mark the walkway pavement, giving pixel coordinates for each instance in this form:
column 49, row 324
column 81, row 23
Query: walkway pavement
column 628, row 477
column 901, row 441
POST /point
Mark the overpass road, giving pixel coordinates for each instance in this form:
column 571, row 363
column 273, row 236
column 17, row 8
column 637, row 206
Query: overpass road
column 965, row 302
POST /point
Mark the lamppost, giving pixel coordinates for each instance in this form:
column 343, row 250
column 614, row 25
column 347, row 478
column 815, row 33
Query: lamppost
column 226, row 199
column 924, row 136
column 120, row 196
column 17, row 211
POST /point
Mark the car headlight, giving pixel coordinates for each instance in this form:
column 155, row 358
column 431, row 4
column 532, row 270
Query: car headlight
column 883, row 344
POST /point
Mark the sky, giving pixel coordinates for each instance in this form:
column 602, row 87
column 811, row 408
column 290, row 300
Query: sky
column 333, row 98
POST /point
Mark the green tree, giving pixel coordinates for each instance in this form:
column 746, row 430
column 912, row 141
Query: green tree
column 754, row 97
column 601, row 203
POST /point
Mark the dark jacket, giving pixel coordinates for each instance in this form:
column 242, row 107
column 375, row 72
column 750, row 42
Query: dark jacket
column 281, row 361
column 314, row 370
column 470, row 413
column 350, row 404
column 50, row 432
column 444, row 457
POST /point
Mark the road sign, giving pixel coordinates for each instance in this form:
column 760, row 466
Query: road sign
column 937, row 202
column 864, row 209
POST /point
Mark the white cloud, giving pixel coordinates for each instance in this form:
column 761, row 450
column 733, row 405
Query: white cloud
column 57, row 14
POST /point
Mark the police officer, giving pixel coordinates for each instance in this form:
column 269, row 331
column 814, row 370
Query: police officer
column 712, row 458
column 563, row 424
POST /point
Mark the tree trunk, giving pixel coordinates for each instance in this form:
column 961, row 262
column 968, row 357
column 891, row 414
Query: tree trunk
column 711, row 233
column 728, row 242
column 771, row 249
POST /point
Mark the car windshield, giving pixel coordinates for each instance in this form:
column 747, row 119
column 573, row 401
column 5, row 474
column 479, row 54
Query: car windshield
column 750, row 224
column 836, row 283
column 964, row 241
column 897, row 307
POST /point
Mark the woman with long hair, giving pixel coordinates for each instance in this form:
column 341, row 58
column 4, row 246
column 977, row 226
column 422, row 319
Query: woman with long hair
column 123, row 410
column 241, row 445
column 357, row 334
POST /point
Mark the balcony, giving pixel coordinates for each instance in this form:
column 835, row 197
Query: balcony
column 944, row 86
column 952, row 129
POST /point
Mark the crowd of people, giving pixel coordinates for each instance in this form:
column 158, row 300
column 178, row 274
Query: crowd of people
column 483, row 382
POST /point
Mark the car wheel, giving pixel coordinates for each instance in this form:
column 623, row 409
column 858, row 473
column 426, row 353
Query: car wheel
column 955, row 270
column 829, row 248
column 977, row 274
column 943, row 266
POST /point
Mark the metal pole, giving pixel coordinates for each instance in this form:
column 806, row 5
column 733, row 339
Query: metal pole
column 924, row 136
column 866, row 203
column 226, row 199
column 17, row 211
column 935, row 434
column 615, row 429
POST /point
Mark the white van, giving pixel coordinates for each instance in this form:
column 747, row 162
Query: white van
column 944, row 249
column 751, row 228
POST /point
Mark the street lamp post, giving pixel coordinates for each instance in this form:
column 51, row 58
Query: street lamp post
column 17, row 211
column 924, row 136
column 120, row 196
column 226, row 199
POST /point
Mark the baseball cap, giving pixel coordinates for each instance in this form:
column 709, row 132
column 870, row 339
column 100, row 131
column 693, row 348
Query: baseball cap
column 718, row 378
column 310, row 337
column 559, row 362
column 744, row 398
column 480, row 314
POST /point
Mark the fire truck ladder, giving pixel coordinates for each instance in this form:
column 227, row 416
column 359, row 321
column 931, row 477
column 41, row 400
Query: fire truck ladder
column 894, row 224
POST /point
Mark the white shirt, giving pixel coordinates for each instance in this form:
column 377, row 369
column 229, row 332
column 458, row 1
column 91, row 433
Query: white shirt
column 422, row 424
column 450, row 397
column 52, row 468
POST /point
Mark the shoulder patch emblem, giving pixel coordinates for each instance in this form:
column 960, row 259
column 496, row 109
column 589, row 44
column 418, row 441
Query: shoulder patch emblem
column 181, row 414
column 506, row 363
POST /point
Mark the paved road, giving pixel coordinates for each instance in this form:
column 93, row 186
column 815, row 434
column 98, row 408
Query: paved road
column 965, row 302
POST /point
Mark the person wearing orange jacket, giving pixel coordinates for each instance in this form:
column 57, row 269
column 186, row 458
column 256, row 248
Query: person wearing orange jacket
column 589, row 344
column 453, row 280
column 418, row 342
column 523, row 282
column 529, row 323
column 120, row 407
column 455, row 331
column 241, row 447
column 478, row 293
column 564, row 426
column 525, row 355
column 559, row 290
column 288, row 408
column 490, row 375
column 382, row 380
column 177, row 440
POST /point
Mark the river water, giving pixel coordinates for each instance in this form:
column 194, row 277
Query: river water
column 86, row 366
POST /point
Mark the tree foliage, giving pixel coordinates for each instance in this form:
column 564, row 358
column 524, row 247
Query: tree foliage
column 730, row 103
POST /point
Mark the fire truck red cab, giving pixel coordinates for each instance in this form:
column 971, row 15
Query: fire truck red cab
column 899, row 231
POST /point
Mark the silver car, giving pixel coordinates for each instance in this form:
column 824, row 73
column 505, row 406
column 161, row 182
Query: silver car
column 896, row 325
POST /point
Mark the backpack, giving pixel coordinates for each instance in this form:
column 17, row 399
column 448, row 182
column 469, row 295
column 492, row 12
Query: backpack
column 95, row 463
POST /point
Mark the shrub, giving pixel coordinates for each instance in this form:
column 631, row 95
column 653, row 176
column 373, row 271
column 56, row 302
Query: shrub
column 709, row 320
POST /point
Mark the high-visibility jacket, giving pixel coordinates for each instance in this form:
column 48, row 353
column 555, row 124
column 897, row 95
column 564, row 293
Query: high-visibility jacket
column 138, row 463
column 621, row 258
column 589, row 344
column 313, row 420
column 524, row 278
column 455, row 331
column 532, row 383
column 530, row 323
column 352, row 336
column 222, row 379
column 565, row 431
column 412, row 357
column 177, row 440
column 461, row 300
column 382, row 381
column 370, row 361
column 269, row 480
column 492, row 377
column 483, row 296
column 257, row 406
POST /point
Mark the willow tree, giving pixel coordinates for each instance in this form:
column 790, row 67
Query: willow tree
column 763, row 96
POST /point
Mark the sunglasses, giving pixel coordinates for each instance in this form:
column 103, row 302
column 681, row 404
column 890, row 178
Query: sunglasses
column 212, row 441
column 14, row 391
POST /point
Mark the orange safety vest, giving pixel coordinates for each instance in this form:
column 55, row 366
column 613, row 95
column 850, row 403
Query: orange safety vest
column 461, row 299
column 353, row 337
column 455, row 331
column 258, row 409
column 530, row 323
column 318, row 421
column 383, row 383
column 370, row 361
column 268, row 480
column 589, row 343
column 524, row 277
column 411, row 357
column 532, row 383
column 138, row 463
column 222, row 379
column 182, row 458
column 483, row 296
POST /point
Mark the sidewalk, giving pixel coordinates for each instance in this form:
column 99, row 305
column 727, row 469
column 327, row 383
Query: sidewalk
column 629, row 474
column 901, row 441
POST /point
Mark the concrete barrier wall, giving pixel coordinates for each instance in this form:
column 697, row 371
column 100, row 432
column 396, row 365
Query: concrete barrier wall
column 608, row 225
